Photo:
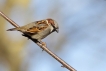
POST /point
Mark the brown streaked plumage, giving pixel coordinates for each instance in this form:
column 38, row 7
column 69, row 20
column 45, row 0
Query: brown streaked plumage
column 38, row 29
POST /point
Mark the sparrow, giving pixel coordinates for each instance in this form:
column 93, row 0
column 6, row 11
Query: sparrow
column 39, row 29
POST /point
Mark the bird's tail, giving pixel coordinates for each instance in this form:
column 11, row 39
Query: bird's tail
column 12, row 29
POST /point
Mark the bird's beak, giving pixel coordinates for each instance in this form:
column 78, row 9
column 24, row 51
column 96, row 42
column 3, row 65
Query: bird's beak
column 57, row 30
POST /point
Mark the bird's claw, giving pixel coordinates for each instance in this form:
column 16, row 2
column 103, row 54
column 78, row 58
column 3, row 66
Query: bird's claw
column 43, row 44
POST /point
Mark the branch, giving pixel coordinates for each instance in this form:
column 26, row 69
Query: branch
column 64, row 64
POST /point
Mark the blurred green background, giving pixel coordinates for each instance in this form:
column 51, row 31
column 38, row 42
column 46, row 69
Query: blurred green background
column 81, row 40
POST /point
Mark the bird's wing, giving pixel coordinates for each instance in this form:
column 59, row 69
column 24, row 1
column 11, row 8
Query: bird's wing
column 37, row 27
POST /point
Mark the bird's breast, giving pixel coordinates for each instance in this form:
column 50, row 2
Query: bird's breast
column 42, row 34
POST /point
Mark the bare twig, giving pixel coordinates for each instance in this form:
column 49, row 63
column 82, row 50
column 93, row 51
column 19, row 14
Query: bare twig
column 8, row 19
column 43, row 47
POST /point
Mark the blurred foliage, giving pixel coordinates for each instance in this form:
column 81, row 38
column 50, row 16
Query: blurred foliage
column 10, row 50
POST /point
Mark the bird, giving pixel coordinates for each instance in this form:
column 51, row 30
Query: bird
column 38, row 30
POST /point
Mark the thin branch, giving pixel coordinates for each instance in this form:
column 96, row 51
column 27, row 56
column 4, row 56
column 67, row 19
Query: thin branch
column 8, row 19
column 43, row 47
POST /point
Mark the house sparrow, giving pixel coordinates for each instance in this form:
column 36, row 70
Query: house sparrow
column 38, row 29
